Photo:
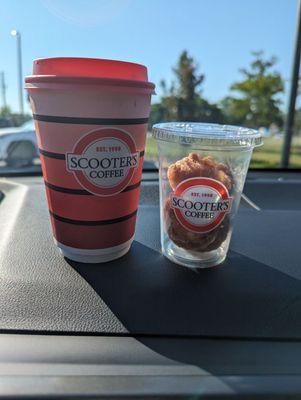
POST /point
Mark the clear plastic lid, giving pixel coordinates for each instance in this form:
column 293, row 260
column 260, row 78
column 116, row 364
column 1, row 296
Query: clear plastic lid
column 207, row 134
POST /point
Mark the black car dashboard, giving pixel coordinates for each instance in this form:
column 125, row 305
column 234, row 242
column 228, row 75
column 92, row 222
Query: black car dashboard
column 141, row 326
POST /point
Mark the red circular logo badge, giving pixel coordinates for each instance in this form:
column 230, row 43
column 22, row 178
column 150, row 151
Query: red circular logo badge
column 104, row 161
column 200, row 204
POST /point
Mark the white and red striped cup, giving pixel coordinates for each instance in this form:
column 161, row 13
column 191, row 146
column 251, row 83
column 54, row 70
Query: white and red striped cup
column 91, row 120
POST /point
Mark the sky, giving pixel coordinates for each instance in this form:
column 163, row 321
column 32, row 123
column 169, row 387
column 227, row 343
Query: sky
column 219, row 34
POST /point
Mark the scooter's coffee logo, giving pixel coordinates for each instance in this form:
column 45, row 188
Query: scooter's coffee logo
column 200, row 204
column 104, row 161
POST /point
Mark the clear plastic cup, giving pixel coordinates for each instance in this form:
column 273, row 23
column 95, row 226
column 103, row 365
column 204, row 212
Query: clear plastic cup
column 202, row 173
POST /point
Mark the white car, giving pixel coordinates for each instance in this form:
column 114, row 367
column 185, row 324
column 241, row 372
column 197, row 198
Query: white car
column 18, row 146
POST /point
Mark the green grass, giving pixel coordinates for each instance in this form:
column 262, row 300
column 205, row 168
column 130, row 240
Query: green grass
column 151, row 148
column 269, row 155
column 266, row 156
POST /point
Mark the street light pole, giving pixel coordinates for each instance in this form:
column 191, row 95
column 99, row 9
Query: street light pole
column 3, row 89
column 17, row 34
column 290, row 117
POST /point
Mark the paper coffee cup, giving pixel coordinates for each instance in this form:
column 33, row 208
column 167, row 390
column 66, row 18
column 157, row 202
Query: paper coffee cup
column 91, row 120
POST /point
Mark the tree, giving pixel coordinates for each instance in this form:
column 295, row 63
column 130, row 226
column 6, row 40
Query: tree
column 258, row 103
column 15, row 119
column 188, row 89
column 158, row 114
column 183, row 100
column 5, row 111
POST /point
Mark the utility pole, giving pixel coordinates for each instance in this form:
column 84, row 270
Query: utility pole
column 3, row 89
column 290, row 117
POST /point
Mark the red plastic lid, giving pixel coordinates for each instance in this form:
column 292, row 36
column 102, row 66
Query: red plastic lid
column 89, row 67
column 76, row 68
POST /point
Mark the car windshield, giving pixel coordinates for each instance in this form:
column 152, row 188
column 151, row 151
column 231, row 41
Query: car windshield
column 210, row 61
